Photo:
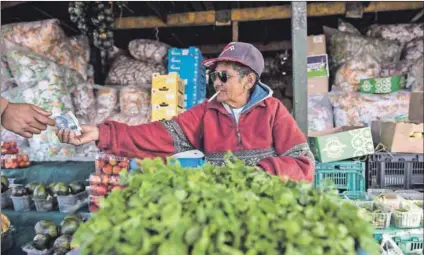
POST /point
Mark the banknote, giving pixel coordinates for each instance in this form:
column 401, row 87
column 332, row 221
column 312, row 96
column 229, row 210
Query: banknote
column 68, row 121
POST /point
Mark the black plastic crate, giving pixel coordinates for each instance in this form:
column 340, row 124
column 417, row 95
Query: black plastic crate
column 396, row 171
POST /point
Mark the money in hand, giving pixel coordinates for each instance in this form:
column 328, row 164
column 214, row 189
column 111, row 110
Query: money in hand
column 68, row 121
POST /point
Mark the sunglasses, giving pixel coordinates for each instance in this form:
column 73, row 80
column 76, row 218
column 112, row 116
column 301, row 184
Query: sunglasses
column 221, row 75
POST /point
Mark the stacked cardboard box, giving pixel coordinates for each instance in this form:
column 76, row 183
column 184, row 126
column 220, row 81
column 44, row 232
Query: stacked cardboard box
column 188, row 64
column 167, row 96
column 318, row 71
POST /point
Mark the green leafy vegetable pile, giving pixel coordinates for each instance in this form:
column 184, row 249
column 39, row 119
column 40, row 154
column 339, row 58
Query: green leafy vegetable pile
column 221, row 210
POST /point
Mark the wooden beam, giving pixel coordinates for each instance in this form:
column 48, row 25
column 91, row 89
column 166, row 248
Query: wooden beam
column 261, row 13
column 235, row 31
column 272, row 46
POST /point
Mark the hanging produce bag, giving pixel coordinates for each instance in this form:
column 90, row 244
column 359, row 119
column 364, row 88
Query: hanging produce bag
column 400, row 32
column 47, row 39
column 29, row 69
column 149, row 50
column 107, row 102
column 320, row 113
column 345, row 46
column 134, row 100
column 358, row 109
column 349, row 75
column 415, row 80
column 128, row 71
column 85, row 103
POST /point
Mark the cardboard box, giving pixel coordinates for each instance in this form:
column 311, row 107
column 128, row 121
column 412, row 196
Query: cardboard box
column 316, row 45
column 382, row 85
column 318, row 85
column 318, row 66
column 168, row 81
column 402, row 137
column 167, row 96
column 165, row 111
column 416, row 107
column 341, row 143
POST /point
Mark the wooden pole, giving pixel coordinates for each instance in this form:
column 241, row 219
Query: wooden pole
column 235, row 31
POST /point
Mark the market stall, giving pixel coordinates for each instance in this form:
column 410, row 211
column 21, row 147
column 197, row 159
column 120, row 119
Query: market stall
column 356, row 92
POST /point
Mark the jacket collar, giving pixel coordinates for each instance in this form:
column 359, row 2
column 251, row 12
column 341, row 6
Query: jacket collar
column 259, row 94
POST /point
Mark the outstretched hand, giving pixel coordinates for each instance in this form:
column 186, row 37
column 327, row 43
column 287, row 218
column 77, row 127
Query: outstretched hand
column 25, row 119
column 88, row 134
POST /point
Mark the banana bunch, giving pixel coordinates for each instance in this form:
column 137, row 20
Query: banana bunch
column 5, row 224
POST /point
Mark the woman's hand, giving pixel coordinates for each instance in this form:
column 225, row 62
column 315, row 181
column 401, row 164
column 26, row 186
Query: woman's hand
column 88, row 134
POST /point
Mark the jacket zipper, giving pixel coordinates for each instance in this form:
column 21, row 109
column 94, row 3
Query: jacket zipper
column 237, row 127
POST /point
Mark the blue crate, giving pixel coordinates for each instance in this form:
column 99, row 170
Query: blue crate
column 346, row 175
column 191, row 51
column 190, row 159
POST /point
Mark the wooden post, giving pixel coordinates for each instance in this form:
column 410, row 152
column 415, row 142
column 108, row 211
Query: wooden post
column 235, row 31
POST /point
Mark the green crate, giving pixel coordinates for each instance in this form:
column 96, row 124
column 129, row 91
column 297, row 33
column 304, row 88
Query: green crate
column 411, row 243
column 346, row 175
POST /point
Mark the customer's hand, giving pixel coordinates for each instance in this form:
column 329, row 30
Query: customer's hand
column 25, row 119
column 88, row 134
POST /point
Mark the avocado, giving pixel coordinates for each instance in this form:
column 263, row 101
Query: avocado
column 50, row 188
column 61, row 189
column 62, row 244
column 69, row 226
column 76, row 217
column 31, row 186
column 4, row 184
column 19, row 191
column 46, row 227
column 40, row 192
column 76, row 187
column 41, row 242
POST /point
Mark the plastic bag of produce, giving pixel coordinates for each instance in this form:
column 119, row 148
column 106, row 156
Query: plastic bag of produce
column 347, row 27
column 107, row 102
column 349, row 75
column 320, row 113
column 29, row 69
column 84, row 102
column 7, row 136
column 38, row 35
column 73, row 52
column 132, row 120
column 415, row 80
column 414, row 49
column 128, row 71
column 396, row 68
column 400, row 32
column 134, row 100
column 345, row 46
column 358, row 109
column 148, row 50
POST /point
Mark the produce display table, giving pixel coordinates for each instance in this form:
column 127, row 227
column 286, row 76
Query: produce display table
column 45, row 172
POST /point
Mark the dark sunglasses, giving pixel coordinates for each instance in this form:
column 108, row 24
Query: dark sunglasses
column 221, row 75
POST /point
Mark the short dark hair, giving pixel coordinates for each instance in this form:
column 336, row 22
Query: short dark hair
column 242, row 70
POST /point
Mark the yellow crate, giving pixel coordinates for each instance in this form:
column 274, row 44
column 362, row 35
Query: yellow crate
column 169, row 97
column 168, row 81
column 165, row 111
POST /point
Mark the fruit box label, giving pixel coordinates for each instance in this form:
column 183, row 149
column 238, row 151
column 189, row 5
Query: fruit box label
column 342, row 143
column 382, row 85
column 318, row 66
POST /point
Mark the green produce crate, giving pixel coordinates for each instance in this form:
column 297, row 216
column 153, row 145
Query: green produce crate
column 346, row 175
column 411, row 243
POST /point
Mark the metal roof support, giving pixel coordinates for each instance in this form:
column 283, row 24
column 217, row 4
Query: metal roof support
column 299, row 47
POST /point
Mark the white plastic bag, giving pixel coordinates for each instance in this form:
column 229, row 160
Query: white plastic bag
column 134, row 100
column 359, row 109
column 401, row 32
column 84, row 103
column 320, row 113
column 148, row 50
column 128, row 71
column 107, row 102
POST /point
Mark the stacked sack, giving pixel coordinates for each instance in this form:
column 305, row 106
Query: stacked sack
column 126, row 99
column 374, row 74
column 46, row 68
